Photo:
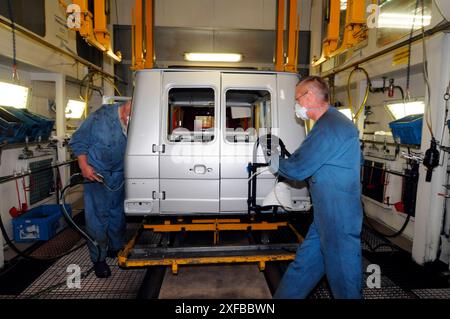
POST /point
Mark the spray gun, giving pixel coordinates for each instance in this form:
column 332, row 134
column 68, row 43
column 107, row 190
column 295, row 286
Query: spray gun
column 431, row 159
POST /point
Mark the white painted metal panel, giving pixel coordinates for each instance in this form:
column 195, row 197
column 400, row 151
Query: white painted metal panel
column 233, row 193
column 142, row 166
column 189, row 196
column 188, row 167
column 291, row 129
column 141, row 196
column 144, row 127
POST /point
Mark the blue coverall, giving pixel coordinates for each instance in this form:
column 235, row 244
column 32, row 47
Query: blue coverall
column 329, row 159
column 101, row 138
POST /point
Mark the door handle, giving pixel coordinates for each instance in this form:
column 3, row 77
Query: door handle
column 201, row 169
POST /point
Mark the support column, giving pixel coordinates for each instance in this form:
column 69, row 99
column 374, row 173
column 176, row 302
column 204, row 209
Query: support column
column 430, row 206
column 60, row 99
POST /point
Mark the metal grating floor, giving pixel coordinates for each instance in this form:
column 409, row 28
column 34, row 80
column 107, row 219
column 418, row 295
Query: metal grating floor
column 123, row 284
column 400, row 277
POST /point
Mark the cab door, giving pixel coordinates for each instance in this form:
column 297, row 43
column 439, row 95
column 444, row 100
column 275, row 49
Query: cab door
column 249, row 110
column 189, row 148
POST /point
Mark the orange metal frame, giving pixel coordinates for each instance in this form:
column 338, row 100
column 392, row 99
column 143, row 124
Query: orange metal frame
column 293, row 29
column 214, row 225
column 142, row 59
column 355, row 29
column 93, row 27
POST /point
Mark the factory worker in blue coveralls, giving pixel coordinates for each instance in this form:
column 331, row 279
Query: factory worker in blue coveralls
column 329, row 160
column 99, row 145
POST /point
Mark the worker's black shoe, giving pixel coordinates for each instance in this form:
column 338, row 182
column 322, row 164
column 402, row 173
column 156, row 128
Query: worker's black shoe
column 112, row 253
column 101, row 269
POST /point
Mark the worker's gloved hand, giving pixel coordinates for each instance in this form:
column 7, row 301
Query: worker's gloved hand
column 274, row 163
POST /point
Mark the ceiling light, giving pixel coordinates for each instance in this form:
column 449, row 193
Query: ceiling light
column 399, row 110
column 213, row 57
column 14, row 95
column 402, row 21
column 75, row 109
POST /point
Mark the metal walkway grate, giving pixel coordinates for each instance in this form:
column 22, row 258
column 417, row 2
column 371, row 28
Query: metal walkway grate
column 123, row 284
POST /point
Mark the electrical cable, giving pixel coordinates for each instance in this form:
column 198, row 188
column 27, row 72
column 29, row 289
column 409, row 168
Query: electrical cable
column 408, row 67
column 439, row 10
column 425, row 75
column 15, row 74
column 68, row 218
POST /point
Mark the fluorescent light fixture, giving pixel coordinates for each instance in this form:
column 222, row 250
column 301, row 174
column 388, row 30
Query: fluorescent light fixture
column 14, row 95
column 402, row 20
column 213, row 57
column 347, row 112
column 399, row 110
column 75, row 109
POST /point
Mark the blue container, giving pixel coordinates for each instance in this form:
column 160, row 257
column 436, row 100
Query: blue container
column 40, row 223
column 408, row 129
column 36, row 125
column 12, row 129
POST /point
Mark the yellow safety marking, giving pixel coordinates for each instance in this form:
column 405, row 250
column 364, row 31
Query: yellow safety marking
column 400, row 56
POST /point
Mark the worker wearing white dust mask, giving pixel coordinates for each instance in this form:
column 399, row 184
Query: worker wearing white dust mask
column 329, row 159
column 99, row 145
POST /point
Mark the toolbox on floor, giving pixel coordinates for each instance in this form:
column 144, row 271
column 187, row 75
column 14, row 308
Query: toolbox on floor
column 40, row 223
column 408, row 130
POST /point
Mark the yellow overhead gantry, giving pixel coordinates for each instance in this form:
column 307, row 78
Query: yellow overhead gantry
column 92, row 26
column 355, row 29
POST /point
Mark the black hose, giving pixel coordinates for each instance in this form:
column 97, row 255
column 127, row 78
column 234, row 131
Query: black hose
column 67, row 217
column 25, row 255
column 73, row 182
column 397, row 233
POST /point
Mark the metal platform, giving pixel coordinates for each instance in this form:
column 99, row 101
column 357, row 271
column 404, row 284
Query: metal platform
column 160, row 253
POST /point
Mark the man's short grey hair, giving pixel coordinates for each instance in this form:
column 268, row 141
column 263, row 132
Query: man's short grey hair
column 318, row 83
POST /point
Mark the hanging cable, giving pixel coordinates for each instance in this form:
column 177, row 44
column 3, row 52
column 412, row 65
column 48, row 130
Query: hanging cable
column 425, row 75
column 408, row 67
column 15, row 75
column 366, row 94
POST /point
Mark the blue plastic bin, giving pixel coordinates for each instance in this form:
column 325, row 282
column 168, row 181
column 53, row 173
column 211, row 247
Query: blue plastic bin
column 40, row 223
column 12, row 129
column 408, row 129
column 17, row 124
column 36, row 125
